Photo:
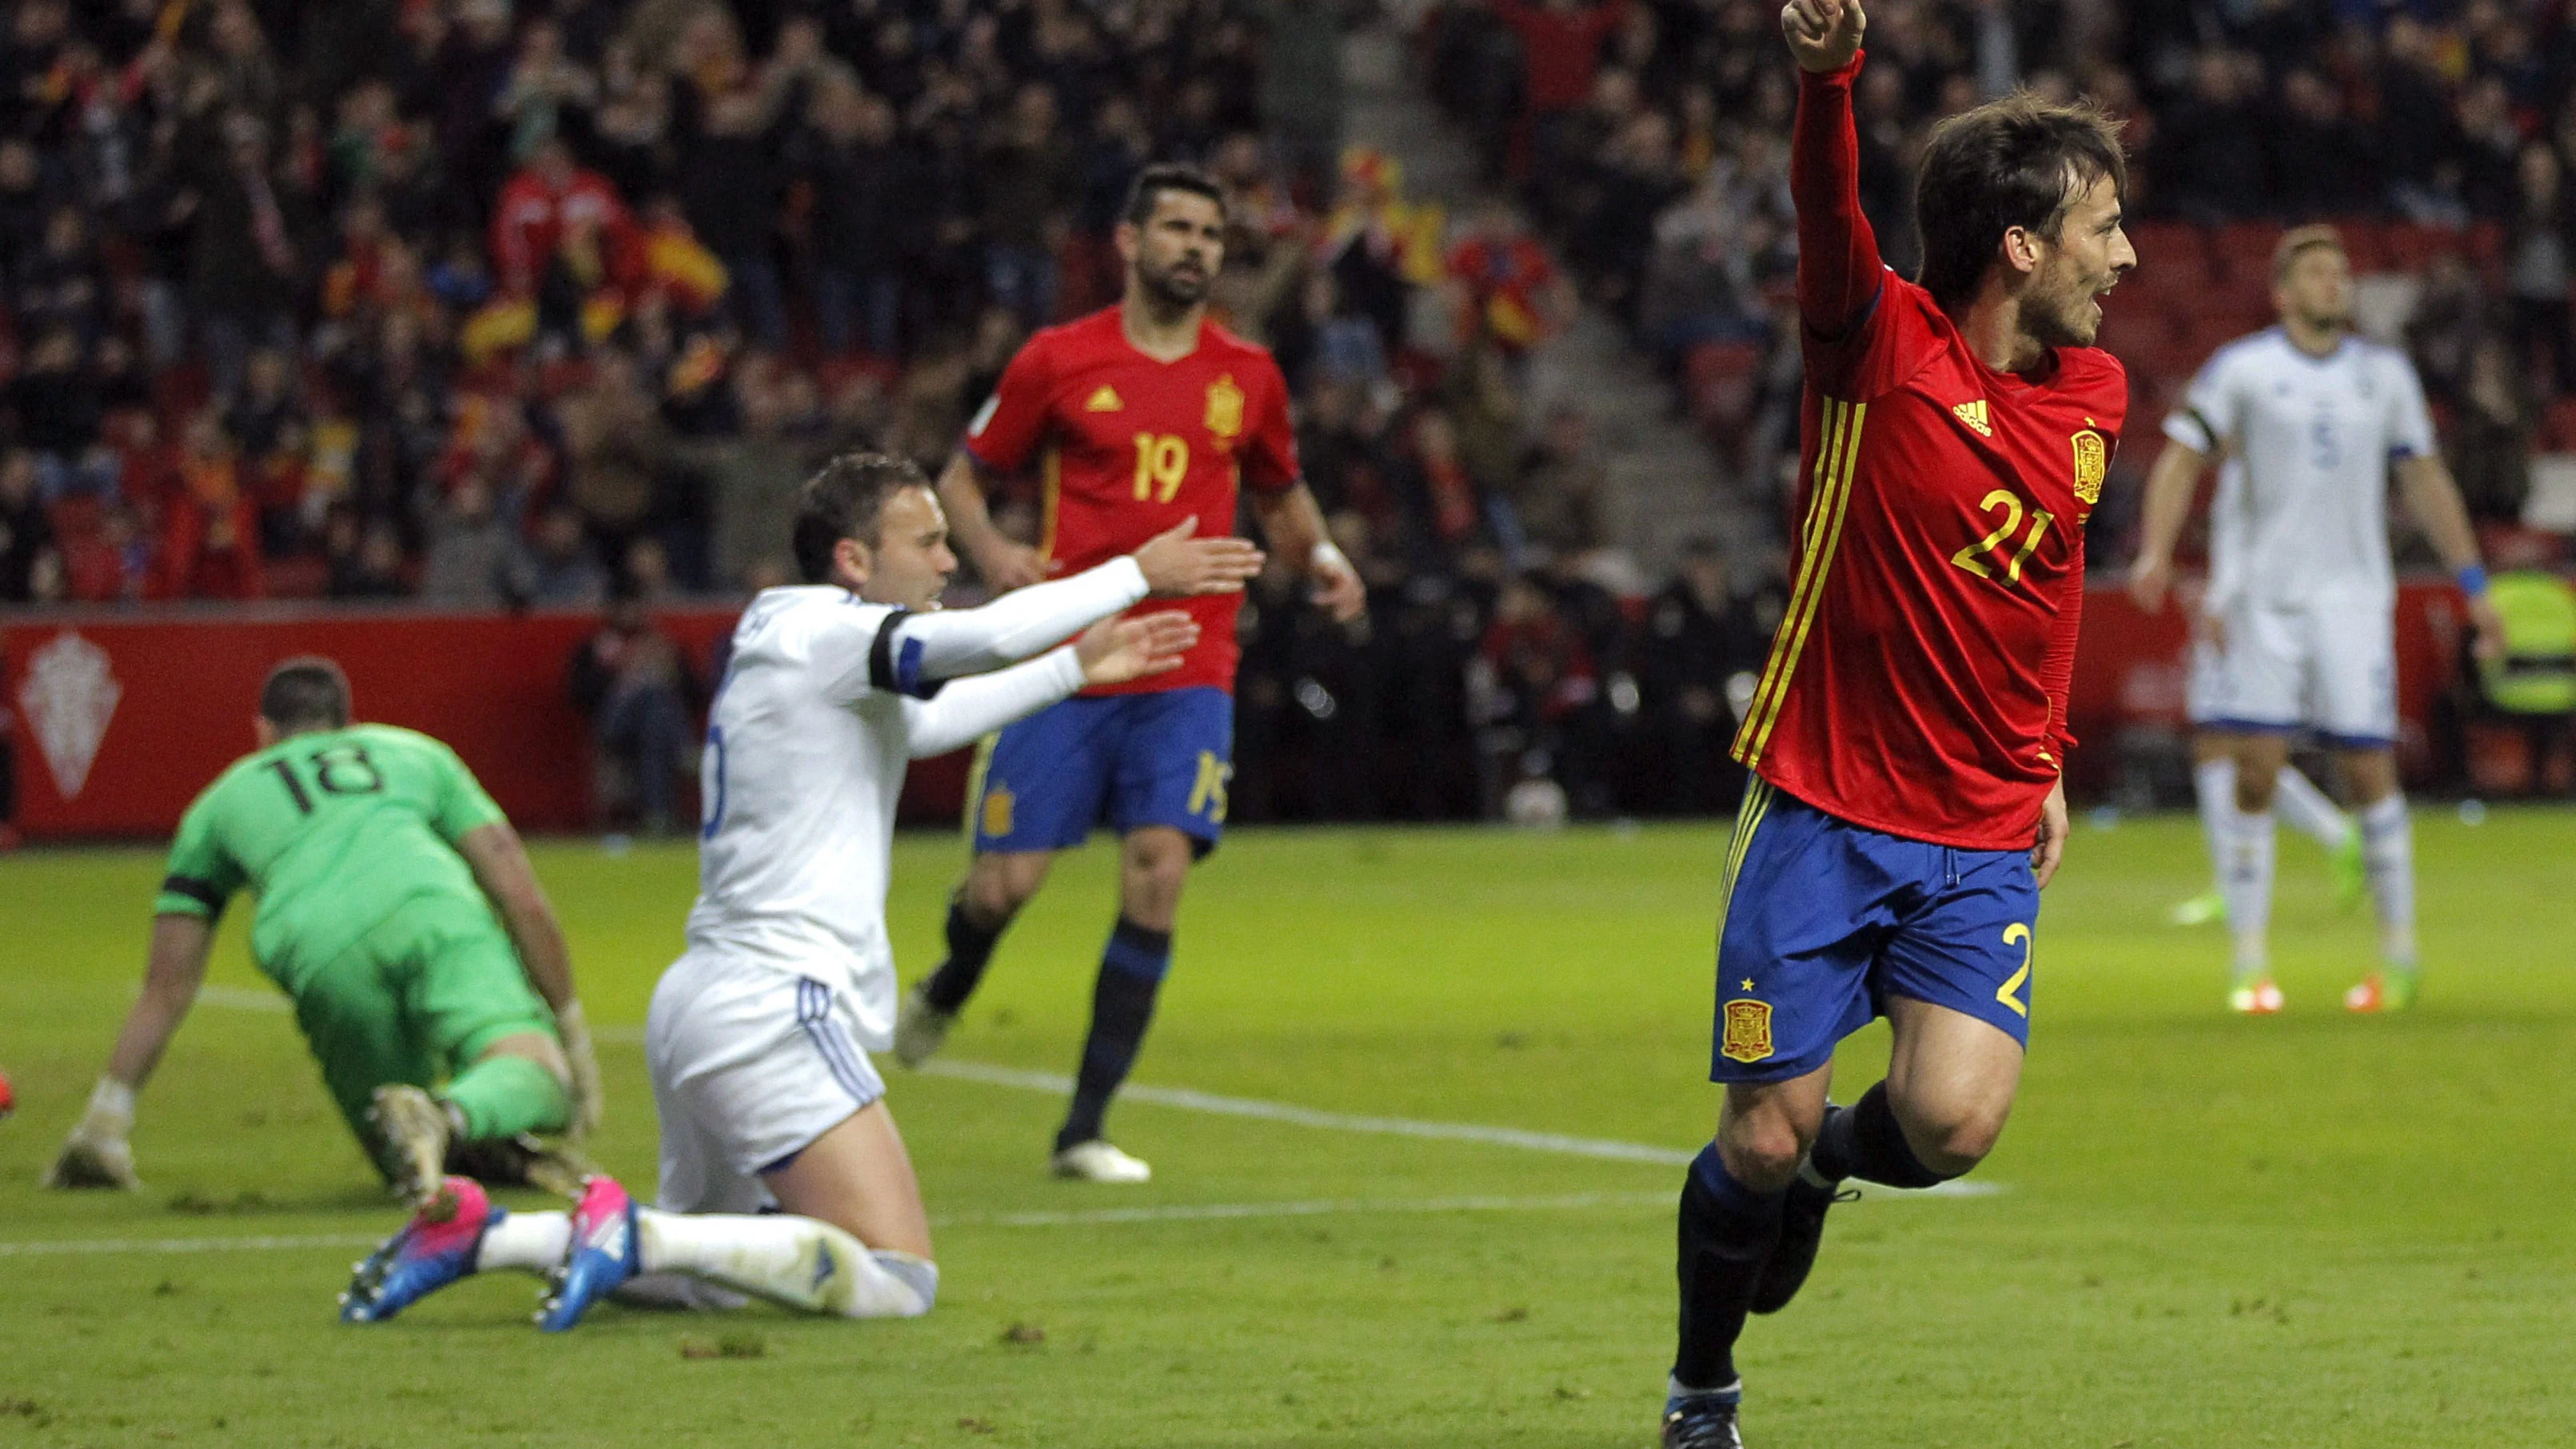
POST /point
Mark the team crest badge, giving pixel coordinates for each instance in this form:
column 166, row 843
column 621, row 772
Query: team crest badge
column 997, row 812
column 1974, row 415
column 2092, row 461
column 1104, row 399
column 69, row 694
column 1225, row 407
column 1747, row 1037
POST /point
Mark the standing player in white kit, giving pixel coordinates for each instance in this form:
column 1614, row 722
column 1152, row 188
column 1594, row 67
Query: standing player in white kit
column 755, row 1037
column 2303, row 590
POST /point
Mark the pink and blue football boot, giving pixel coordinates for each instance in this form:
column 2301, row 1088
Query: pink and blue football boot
column 428, row 1254
column 605, row 1252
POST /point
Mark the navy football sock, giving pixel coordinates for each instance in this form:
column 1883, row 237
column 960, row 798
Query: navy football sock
column 1727, row 1232
column 1866, row 1142
column 1122, row 1003
column 970, row 948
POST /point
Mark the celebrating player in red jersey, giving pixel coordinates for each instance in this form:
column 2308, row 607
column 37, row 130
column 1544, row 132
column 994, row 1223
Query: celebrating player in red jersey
column 1908, row 732
column 1140, row 416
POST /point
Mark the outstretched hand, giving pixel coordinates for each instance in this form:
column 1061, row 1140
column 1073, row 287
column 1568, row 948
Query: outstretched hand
column 1823, row 35
column 1176, row 562
column 1117, row 650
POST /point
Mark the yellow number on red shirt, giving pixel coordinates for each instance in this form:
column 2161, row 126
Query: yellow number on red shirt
column 2004, row 499
column 1161, row 461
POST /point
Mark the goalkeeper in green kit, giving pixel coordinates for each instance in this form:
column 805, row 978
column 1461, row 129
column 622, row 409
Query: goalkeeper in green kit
column 398, row 910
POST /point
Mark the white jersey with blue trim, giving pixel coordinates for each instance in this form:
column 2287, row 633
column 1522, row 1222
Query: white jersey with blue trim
column 804, row 763
column 825, row 702
column 2303, row 515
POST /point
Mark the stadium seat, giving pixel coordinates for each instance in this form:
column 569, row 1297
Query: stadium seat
column 1724, row 380
column 2244, row 251
column 2412, row 246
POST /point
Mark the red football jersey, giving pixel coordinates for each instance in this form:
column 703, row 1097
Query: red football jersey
column 1918, row 683
column 1129, row 447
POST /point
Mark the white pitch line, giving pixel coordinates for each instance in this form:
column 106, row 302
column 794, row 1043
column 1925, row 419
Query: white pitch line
column 1191, row 1101
column 184, row 1245
column 1167, row 1213
column 1187, row 1100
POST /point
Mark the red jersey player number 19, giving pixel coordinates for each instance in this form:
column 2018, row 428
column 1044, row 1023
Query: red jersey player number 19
column 1127, row 446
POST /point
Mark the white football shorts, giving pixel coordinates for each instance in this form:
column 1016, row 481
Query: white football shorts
column 2328, row 665
column 750, row 1065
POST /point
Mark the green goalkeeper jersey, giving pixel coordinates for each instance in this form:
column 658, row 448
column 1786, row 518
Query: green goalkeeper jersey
column 333, row 831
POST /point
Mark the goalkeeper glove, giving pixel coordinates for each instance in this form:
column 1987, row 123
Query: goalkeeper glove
column 589, row 1097
column 96, row 1154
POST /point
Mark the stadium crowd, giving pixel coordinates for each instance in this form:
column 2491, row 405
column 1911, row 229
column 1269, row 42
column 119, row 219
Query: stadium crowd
column 1651, row 138
column 476, row 304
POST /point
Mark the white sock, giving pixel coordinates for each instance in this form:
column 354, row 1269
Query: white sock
column 2388, row 854
column 2214, row 783
column 798, row 1262
column 529, row 1242
column 2306, row 810
column 676, row 1291
column 2248, row 885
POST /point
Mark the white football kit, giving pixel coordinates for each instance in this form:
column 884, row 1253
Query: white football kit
column 2300, row 575
column 758, row 1035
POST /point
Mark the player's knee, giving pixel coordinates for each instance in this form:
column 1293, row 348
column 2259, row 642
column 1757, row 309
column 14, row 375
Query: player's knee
column 1956, row 1141
column 998, row 885
column 1762, row 1152
column 2254, row 790
column 1153, row 868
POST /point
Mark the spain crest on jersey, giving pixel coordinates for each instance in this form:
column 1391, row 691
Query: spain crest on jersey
column 1224, row 408
column 1746, row 1036
column 2092, row 461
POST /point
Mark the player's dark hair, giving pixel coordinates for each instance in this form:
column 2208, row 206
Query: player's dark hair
column 845, row 500
column 2017, row 162
column 1146, row 191
column 307, row 692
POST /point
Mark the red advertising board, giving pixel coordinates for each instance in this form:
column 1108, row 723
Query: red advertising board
column 119, row 719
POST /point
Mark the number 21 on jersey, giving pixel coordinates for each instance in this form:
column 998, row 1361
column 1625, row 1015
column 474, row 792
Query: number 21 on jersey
column 1982, row 557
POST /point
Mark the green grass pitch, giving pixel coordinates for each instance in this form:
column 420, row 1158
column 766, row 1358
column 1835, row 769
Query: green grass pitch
column 2304, row 1231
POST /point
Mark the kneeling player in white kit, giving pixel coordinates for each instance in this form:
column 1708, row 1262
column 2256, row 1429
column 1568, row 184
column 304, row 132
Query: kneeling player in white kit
column 2302, row 585
column 782, row 1173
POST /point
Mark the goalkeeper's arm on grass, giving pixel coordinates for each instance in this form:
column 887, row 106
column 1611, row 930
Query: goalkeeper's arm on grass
column 501, row 868
column 97, row 1154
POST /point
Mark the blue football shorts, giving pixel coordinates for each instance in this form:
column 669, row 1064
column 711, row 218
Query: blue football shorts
column 1824, row 920
column 1122, row 760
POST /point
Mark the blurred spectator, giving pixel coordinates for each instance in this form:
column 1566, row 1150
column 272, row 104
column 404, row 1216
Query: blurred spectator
column 2539, row 264
column 1703, row 645
column 631, row 681
column 52, row 409
column 245, row 252
column 866, row 218
column 470, row 553
column 365, row 557
column 560, row 236
column 1029, row 184
column 209, row 545
column 1541, row 703
column 31, row 571
column 558, row 570
column 1509, row 291
column 1556, row 495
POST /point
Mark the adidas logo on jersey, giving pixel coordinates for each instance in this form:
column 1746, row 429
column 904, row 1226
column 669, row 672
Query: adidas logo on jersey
column 1104, row 399
column 1974, row 415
